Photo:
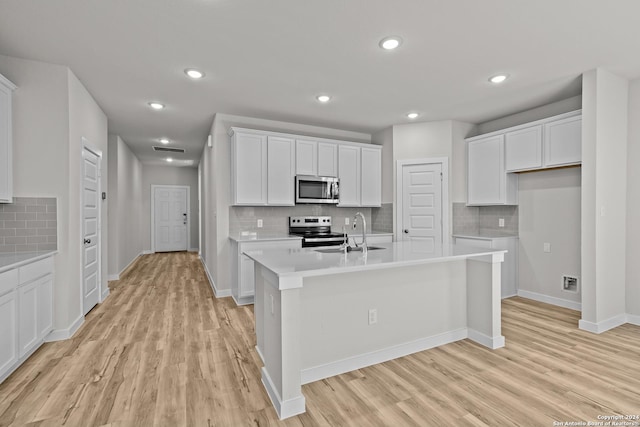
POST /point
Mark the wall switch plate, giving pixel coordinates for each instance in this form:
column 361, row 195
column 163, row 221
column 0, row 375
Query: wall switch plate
column 547, row 247
column 346, row 221
column 373, row 316
column 259, row 223
column 500, row 222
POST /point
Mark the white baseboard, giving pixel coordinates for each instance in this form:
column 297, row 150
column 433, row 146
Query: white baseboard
column 633, row 319
column 316, row 373
column 260, row 354
column 147, row 252
column 550, row 300
column 287, row 408
column 603, row 326
column 112, row 277
column 64, row 334
column 485, row 340
column 194, row 250
column 217, row 293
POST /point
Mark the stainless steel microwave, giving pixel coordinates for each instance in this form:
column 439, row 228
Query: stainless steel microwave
column 317, row 189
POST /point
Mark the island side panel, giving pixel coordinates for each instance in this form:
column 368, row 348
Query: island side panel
column 418, row 307
column 484, row 300
column 280, row 342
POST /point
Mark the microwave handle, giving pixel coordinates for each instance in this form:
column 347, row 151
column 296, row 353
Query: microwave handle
column 335, row 191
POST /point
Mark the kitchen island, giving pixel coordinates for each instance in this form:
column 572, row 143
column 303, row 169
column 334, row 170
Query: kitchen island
column 322, row 314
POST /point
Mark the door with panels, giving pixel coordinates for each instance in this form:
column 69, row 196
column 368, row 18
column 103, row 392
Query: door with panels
column 171, row 218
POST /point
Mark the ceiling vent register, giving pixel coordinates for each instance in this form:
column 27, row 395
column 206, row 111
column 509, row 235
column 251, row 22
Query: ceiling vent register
column 168, row 149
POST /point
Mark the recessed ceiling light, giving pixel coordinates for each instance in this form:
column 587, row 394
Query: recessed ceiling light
column 156, row 105
column 323, row 98
column 193, row 73
column 412, row 115
column 498, row 78
column 164, row 140
column 391, row 42
column 169, row 159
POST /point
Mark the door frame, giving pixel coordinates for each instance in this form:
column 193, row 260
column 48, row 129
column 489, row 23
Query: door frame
column 103, row 290
column 153, row 213
column 444, row 164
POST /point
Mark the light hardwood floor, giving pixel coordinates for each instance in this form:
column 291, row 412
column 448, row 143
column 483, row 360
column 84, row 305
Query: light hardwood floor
column 163, row 351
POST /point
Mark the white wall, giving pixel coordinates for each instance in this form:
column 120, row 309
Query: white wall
column 125, row 207
column 458, row 166
column 604, row 195
column 549, row 210
column 52, row 111
column 216, row 179
column 385, row 138
column 633, row 203
column 168, row 175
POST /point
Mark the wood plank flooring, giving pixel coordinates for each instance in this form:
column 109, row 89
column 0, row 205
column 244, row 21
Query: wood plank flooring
column 163, row 351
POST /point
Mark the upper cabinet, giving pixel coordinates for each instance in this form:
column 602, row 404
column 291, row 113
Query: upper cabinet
column 264, row 165
column 523, row 148
column 487, row 181
column 563, row 141
column 6, row 143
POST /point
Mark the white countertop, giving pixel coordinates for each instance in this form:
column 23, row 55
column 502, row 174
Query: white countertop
column 13, row 260
column 265, row 236
column 485, row 235
column 307, row 262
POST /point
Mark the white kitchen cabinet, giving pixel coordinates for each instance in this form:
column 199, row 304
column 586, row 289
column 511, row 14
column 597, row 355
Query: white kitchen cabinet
column 44, row 306
column 242, row 267
column 563, row 142
column 371, row 176
column 487, row 180
column 306, row 157
column 509, row 268
column 8, row 332
column 349, row 174
column 280, row 171
column 6, row 141
column 327, row 159
column 249, row 168
column 523, row 149
column 27, row 317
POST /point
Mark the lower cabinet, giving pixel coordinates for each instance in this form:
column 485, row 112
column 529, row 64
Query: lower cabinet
column 509, row 266
column 26, row 312
column 242, row 269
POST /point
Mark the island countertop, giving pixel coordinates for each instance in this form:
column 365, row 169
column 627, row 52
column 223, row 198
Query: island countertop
column 308, row 262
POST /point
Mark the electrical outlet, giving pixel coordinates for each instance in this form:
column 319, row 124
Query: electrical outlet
column 546, row 247
column 259, row 223
column 346, row 221
column 500, row 222
column 373, row 316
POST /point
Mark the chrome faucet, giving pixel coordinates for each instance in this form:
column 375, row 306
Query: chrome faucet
column 364, row 231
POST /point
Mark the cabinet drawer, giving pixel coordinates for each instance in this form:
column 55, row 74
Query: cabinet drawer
column 37, row 269
column 476, row 243
column 8, row 281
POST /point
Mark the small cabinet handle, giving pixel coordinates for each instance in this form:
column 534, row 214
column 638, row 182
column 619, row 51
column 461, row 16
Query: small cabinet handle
column 87, row 241
column 406, row 231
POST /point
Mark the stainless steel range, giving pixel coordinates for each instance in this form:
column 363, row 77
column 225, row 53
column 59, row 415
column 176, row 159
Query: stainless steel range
column 315, row 231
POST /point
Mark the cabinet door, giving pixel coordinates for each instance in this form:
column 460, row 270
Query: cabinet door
column 280, row 171
column 6, row 174
column 327, row 159
column 349, row 174
column 246, row 285
column 485, row 165
column 563, row 142
column 523, row 149
column 27, row 312
column 371, row 191
column 45, row 306
column 8, row 331
column 249, row 168
column 306, row 157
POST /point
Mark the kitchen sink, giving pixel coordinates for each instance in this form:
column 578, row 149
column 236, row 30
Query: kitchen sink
column 350, row 249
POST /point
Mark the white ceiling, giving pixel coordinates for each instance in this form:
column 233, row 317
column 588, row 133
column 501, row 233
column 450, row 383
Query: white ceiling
column 270, row 58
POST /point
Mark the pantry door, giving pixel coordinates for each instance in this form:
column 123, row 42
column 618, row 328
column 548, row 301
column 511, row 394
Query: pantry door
column 170, row 213
column 91, row 229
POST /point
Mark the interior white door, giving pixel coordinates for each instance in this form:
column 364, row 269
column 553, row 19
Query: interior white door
column 90, row 229
column 170, row 218
column 422, row 205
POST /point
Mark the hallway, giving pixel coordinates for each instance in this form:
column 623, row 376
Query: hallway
column 162, row 351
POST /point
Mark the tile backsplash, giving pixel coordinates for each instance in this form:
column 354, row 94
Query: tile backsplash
column 275, row 219
column 382, row 218
column 478, row 219
column 29, row 224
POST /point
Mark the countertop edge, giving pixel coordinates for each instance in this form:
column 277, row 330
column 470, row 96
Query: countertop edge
column 479, row 237
column 242, row 239
column 35, row 258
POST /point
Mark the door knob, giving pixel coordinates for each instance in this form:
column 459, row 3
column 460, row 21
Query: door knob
column 406, row 231
column 87, row 241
